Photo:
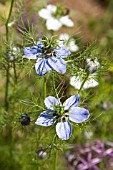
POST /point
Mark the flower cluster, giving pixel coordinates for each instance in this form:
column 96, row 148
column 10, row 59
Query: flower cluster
column 62, row 113
column 55, row 17
column 49, row 56
column 91, row 156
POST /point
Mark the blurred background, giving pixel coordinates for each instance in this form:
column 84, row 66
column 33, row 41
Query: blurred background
column 91, row 146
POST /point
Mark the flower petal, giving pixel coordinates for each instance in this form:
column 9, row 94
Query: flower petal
column 51, row 102
column 71, row 102
column 66, row 21
column 64, row 130
column 62, row 52
column 52, row 8
column 64, row 36
column 78, row 114
column 53, row 24
column 77, row 82
column 46, row 118
column 72, row 46
column 45, row 13
column 31, row 52
column 57, row 64
column 42, row 66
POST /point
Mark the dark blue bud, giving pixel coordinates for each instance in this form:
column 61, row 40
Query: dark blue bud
column 25, row 119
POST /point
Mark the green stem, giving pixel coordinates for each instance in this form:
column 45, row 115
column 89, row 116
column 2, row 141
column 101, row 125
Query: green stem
column 8, row 66
column 45, row 87
column 56, row 159
column 15, row 83
column 83, row 83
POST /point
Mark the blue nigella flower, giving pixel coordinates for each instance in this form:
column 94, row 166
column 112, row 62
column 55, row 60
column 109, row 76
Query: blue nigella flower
column 68, row 111
column 47, row 58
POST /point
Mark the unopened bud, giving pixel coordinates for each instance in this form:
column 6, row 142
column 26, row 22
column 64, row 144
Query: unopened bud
column 92, row 65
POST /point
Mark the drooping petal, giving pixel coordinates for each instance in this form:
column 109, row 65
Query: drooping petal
column 78, row 114
column 64, row 130
column 71, row 102
column 57, row 64
column 62, row 52
column 53, row 24
column 42, row 66
column 66, row 21
column 31, row 52
column 46, row 118
column 51, row 102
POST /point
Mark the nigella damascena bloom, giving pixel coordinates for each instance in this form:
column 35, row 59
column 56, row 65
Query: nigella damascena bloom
column 55, row 17
column 48, row 58
column 63, row 113
column 76, row 81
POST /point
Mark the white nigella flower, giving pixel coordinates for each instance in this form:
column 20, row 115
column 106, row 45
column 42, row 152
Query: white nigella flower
column 55, row 17
column 70, row 42
column 76, row 81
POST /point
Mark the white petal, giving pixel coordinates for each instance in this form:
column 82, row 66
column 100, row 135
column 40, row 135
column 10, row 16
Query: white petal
column 72, row 46
column 64, row 36
column 44, row 13
column 53, row 24
column 66, row 21
column 77, row 82
column 52, row 8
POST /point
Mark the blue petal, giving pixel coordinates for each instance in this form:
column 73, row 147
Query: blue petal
column 78, row 114
column 31, row 52
column 64, row 130
column 42, row 66
column 57, row 64
column 46, row 118
column 62, row 52
column 71, row 102
column 51, row 102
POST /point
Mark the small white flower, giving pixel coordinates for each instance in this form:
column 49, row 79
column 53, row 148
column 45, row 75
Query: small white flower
column 54, row 22
column 76, row 81
column 69, row 42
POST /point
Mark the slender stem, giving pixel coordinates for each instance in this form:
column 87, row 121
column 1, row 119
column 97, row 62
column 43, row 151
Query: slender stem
column 56, row 159
column 45, row 87
column 83, row 83
column 8, row 66
column 15, row 83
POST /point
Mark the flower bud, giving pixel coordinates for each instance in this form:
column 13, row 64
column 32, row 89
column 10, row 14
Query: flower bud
column 92, row 65
column 24, row 119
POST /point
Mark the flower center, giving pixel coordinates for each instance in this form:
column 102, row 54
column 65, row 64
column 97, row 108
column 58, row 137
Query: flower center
column 65, row 117
column 60, row 12
column 48, row 46
column 59, row 110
